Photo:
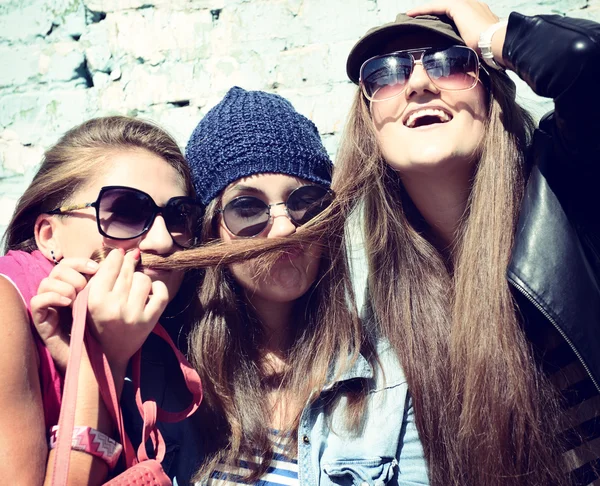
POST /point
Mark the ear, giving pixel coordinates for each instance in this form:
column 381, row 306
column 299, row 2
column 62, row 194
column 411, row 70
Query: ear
column 46, row 234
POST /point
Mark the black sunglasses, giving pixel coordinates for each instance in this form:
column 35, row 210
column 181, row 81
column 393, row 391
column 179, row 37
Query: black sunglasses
column 248, row 216
column 125, row 213
column 454, row 68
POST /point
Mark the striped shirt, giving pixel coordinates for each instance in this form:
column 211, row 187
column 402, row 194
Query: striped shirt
column 283, row 470
column 582, row 402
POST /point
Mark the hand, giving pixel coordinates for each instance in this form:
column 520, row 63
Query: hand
column 55, row 293
column 123, row 306
column 470, row 16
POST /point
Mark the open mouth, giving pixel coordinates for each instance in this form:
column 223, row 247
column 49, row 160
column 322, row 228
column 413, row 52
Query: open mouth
column 427, row 117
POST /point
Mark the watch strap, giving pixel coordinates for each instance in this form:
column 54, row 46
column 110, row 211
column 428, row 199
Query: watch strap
column 485, row 44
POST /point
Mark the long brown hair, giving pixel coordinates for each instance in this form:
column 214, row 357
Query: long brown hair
column 225, row 349
column 76, row 159
column 485, row 413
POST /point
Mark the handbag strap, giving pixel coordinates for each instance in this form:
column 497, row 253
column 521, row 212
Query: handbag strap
column 66, row 420
column 151, row 412
column 192, row 381
column 108, row 392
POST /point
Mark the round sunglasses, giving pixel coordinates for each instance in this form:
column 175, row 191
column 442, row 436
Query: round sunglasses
column 125, row 213
column 248, row 216
column 454, row 68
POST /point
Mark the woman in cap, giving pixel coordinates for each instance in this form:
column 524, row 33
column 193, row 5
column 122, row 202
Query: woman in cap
column 482, row 235
column 294, row 390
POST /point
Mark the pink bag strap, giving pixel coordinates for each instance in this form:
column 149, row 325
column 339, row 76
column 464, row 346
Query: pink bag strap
column 67, row 410
column 106, row 384
column 192, row 381
column 151, row 412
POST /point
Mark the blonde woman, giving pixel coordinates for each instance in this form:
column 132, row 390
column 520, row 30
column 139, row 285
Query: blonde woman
column 116, row 182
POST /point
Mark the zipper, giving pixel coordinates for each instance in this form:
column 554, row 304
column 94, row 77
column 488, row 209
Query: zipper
column 557, row 327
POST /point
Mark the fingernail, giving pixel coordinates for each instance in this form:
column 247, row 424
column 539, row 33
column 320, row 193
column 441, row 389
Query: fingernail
column 92, row 265
column 136, row 253
column 65, row 300
column 122, row 250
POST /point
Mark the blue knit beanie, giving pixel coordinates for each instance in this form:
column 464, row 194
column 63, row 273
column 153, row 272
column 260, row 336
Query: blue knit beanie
column 253, row 132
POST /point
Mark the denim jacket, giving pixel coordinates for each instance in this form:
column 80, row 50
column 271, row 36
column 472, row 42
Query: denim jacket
column 385, row 450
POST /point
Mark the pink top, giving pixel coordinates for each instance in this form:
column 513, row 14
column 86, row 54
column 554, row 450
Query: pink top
column 26, row 271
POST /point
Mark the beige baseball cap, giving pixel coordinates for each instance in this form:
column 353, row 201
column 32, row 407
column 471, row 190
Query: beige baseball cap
column 373, row 41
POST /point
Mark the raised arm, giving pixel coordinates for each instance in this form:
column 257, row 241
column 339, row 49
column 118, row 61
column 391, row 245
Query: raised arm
column 58, row 291
column 558, row 57
column 123, row 308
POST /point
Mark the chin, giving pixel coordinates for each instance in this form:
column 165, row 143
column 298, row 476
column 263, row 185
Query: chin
column 283, row 288
column 432, row 159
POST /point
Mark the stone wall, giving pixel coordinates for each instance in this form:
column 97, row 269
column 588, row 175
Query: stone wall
column 64, row 61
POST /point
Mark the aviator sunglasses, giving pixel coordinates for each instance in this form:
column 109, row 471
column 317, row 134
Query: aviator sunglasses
column 454, row 68
column 125, row 213
column 248, row 216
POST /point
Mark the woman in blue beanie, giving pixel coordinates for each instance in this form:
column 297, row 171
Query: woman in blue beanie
column 294, row 388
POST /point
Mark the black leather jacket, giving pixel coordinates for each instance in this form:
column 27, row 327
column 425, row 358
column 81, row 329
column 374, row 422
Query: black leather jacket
column 555, row 264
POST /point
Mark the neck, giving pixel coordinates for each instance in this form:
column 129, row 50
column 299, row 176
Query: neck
column 275, row 319
column 442, row 199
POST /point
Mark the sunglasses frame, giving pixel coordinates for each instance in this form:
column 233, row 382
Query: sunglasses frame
column 148, row 224
column 419, row 61
column 268, row 209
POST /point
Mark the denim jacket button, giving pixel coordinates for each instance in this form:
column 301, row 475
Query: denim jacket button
column 305, row 439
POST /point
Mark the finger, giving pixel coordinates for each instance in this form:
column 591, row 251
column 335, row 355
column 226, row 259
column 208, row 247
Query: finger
column 104, row 280
column 69, row 275
column 157, row 302
column 437, row 8
column 125, row 279
column 81, row 265
column 52, row 285
column 43, row 307
column 138, row 295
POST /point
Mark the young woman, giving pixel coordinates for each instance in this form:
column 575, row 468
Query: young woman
column 482, row 235
column 295, row 392
column 116, row 182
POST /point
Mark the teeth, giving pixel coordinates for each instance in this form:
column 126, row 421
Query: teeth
column 412, row 119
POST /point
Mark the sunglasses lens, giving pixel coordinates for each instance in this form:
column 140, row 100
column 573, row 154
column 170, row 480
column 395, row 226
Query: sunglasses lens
column 246, row 216
column 306, row 202
column 385, row 77
column 124, row 213
column 453, row 69
column 183, row 218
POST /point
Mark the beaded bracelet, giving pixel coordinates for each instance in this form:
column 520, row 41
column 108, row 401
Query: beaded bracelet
column 91, row 441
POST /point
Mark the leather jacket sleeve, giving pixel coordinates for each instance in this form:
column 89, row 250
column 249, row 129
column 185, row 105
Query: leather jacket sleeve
column 559, row 58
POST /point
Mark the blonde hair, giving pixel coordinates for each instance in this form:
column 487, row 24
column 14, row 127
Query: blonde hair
column 76, row 159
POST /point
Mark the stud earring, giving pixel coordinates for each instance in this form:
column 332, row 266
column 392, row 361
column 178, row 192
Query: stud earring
column 53, row 257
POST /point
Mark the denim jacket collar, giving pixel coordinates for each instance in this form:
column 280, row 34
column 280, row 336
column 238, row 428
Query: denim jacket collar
column 359, row 369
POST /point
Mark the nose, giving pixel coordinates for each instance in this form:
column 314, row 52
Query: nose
column 281, row 224
column 157, row 239
column 419, row 82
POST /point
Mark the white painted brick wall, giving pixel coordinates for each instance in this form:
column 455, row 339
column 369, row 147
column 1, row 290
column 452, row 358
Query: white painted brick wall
column 64, row 61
